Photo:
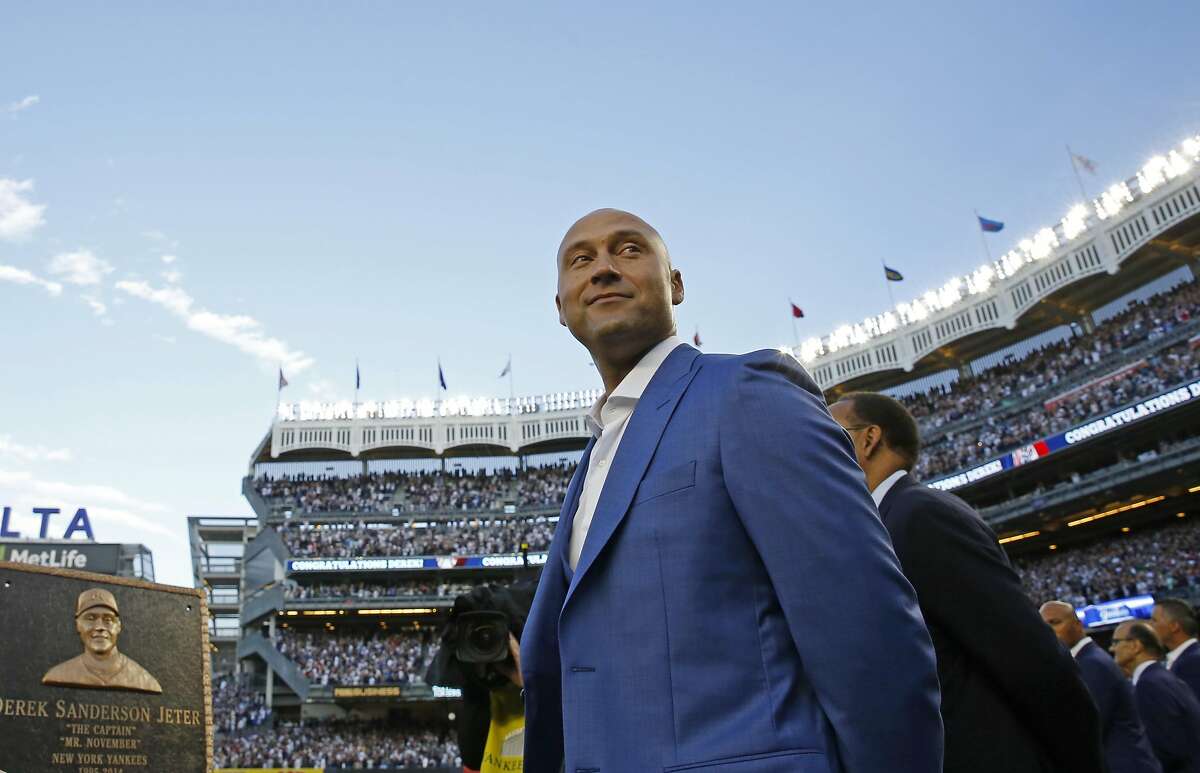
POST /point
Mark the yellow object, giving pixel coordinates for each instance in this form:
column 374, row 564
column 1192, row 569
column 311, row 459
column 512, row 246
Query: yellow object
column 505, row 748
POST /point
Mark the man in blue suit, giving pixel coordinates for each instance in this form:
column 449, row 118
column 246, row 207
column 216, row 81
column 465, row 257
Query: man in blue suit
column 720, row 594
column 1126, row 748
column 1174, row 621
column 1167, row 706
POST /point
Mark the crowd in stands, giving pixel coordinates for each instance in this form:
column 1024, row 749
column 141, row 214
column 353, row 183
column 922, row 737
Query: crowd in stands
column 459, row 490
column 365, row 591
column 1050, row 366
column 544, row 486
column 359, row 657
column 1002, row 432
column 339, row 744
column 477, row 536
column 236, row 706
column 1162, row 561
column 371, row 493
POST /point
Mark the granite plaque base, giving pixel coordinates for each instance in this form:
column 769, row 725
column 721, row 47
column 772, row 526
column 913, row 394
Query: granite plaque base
column 102, row 674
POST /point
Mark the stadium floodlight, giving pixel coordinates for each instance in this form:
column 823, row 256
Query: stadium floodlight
column 1075, row 222
column 1113, row 200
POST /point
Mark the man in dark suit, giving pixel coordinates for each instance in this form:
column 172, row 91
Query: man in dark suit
column 1126, row 747
column 715, row 528
column 1167, row 706
column 1012, row 697
column 1174, row 621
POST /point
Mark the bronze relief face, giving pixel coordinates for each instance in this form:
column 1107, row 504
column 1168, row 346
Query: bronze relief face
column 102, row 665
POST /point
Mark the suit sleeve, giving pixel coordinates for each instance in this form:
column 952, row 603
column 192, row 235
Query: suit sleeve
column 801, row 496
column 1188, row 671
column 955, row 557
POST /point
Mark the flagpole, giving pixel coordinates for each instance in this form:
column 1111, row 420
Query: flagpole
column 795, row 332
column 888, row 283
column 512, row 391
column 982, row 237
column 278, row 395
column 357, row 379
column 1075, row 169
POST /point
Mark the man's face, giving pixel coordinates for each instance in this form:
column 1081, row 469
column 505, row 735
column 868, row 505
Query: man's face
column 1123, row 648
column 616, row 286
column 1163, row 625
column 98, row 628
column 1064, row 623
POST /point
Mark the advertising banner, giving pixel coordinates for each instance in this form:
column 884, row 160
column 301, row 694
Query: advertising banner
column 83, row 556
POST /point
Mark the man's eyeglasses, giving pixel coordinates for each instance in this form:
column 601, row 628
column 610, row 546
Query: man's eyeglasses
column 858, row 427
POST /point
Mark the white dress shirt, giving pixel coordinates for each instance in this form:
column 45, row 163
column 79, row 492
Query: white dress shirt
column 607, row 420
column 883, row 488
column 1137, row 672
column 1085, row 641
column 1175, row 653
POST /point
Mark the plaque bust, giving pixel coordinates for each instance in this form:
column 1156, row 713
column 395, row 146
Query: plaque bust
column 98, row 621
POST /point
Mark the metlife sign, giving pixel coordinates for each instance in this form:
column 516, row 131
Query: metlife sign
column 1131, row 414
column 84, row 556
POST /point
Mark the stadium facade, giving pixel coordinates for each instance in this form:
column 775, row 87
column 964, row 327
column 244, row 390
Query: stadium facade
column 349, row 553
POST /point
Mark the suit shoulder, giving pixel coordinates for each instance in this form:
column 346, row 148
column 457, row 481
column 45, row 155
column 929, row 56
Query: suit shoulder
column 739, row 367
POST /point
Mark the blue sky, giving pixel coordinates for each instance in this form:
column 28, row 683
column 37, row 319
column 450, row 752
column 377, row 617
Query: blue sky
column 389, row 182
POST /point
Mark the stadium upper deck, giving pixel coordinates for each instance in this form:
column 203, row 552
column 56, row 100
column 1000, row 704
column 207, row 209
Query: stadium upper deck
column 1134, row 232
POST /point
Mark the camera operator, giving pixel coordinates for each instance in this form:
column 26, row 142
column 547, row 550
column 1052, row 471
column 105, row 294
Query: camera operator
column 480, row 654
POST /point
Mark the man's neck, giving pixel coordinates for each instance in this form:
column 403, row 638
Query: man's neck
column 881, row 472
column 1133, row 667
column 103, row 664
column 615, row 365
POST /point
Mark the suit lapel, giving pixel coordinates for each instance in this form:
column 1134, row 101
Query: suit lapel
column 637, row 447
column 560, row 545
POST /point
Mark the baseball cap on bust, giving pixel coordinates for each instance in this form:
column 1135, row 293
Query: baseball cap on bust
column 95, row 597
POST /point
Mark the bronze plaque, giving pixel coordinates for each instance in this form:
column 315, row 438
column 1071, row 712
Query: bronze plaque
column 102, row 674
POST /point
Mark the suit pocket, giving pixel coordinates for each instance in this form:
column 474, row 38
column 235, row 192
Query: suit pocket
column 667, row 482
column 790, row 761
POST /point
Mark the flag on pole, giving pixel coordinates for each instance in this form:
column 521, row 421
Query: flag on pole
column 696, row 337
column 1085, row 162
column 282, row 381
column 357, row 376
column 990, row 226
column 892, row 275
column 503, row 373
column 441, row 376
column 797, row 312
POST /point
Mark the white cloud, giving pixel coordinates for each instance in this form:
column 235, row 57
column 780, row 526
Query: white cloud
column 23, row 277
column 322, row 389
column 104, row 504
column 15, row 450
column 24, row 104
column 238, row 330
column 19, row 217
column 169, row 259
column 81, row 267
column 172, row 276
column 97, row 306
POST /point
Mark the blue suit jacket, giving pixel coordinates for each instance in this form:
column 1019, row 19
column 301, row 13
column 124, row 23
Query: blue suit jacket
column 737, row 605
column 1126, row 747
column 1187, row 667
column 1171, row 715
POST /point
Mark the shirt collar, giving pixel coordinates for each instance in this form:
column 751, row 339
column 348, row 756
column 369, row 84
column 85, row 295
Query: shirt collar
column 1137, row 672
column 1179, row 651
column 1079, row 645
column 883, row 488
column 630, row 390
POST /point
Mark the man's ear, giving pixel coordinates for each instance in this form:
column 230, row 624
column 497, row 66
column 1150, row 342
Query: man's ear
column 872, row 441
column 676, row 287
column 558, row 305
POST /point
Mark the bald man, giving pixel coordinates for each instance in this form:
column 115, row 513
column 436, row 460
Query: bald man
column 1126, row 747
column 720, row 594
column 1169, row 710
